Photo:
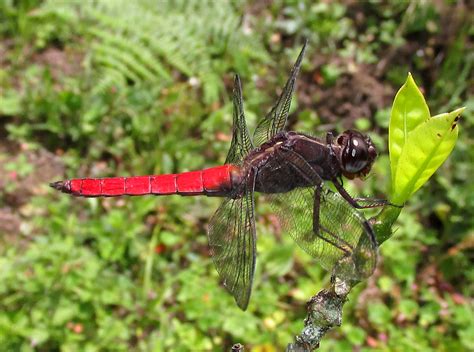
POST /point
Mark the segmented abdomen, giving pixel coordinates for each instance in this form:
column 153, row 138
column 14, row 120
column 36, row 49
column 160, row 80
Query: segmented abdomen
column 214, row 181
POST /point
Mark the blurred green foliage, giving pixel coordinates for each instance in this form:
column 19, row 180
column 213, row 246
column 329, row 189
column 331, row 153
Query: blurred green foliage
column 122, row 88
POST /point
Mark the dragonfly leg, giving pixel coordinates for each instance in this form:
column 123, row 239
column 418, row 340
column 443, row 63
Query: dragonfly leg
column 372, row 202
column 329, row 139
column 332, row 238
column 379, row 201
column 316, row 206
column 302, row 167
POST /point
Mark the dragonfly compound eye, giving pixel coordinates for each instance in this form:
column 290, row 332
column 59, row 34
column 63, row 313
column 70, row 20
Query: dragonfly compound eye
column 358, row 154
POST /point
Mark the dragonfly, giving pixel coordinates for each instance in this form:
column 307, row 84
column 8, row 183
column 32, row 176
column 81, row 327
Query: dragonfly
column 291, row 169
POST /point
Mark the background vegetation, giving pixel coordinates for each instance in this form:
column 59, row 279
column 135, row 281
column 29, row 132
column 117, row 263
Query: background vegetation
column 121, row 88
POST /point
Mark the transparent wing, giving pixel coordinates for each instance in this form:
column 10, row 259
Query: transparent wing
column 275, row 120
column 241, row 143
column 345, row 244
column 232, row 242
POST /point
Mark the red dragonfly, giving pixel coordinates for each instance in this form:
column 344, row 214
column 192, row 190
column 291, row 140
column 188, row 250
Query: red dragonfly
column 290, row 168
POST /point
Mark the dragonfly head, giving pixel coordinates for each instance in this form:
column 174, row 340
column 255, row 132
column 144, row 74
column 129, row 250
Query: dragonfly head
column 357, row 154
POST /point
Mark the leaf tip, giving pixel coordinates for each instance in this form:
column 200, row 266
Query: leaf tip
column 459, row 111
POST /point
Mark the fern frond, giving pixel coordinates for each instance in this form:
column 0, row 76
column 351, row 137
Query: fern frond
column 146, row 40
column 140, row 53
column 105, row 59
column 111, row 78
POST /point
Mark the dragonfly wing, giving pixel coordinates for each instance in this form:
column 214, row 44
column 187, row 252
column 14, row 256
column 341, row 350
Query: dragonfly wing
column 275, row 120
column 345, row 244
column 241, row 143
column 232, row 242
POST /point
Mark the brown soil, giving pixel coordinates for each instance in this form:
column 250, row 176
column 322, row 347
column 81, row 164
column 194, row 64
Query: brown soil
column 16, row 189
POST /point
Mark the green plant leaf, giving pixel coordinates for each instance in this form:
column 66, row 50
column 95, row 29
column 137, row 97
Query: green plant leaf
column 425, row 149
column 409, row 110
column 380, row 316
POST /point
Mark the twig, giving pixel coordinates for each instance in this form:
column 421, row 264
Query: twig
column 237, row 348
column 324, row 312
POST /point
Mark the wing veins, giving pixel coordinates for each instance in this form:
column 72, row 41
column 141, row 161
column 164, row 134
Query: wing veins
column 275, row 120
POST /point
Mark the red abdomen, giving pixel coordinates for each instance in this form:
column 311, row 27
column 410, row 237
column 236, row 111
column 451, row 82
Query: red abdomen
column 215, row 181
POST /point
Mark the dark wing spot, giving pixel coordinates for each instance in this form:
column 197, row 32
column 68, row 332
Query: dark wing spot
column 439, row 135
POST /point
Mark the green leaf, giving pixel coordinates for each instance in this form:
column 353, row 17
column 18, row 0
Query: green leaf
column 355, row 334
column 429, row 314
column 64, row 312
column 39, row 335
column 426, row 148
column 10, row 104
column 280, row 260
column 465, row 335
column 380, row 316
column 409, row 110
column 409, row 308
